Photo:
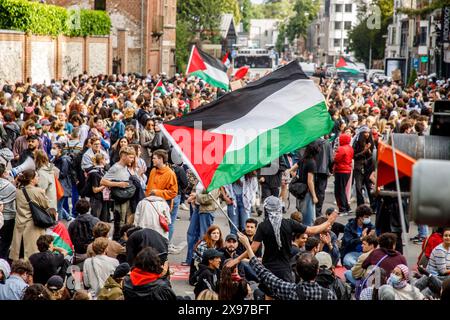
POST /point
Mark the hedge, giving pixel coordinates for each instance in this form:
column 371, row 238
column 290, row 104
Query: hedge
column 43, row 19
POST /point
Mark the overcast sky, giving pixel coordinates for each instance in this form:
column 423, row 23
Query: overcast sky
column 257, row 1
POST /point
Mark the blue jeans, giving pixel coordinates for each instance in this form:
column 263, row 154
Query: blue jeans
column 173, row 215
column 199, row 224
column 349, row 277
column 350, row 259
column 63, row 208
column 422, row 230
column 308, row 209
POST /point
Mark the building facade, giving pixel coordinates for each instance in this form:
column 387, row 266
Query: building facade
column 143, row 32
column 263, row 32
column 329, row 32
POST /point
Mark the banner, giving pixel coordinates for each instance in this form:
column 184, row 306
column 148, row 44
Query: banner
column 445, row 24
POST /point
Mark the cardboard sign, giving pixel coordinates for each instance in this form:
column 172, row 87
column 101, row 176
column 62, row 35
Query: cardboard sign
column 234, row 85
column 397, row 75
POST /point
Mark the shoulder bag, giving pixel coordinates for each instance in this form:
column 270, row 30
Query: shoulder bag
column 162, row 218
column 41, row 218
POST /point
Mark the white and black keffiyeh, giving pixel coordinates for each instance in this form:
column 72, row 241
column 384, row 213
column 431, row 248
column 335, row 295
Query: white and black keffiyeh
column 273, row 210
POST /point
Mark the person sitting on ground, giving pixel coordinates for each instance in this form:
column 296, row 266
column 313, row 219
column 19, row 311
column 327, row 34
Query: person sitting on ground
column 20, row 278
column 232, row 287
column 307, row 268
column 369, row 243
column 312, row 245
column 82, row 295
column 439, row 263
column 433, row 240
column 112, row 290
column 386, row 251
column 80, row 230
column 298, row 244
column 56, row 287
column 36, row 292
column 102, row 229
column 208, row 295
column 371, row 292
column 49, row 261
column 144, row 281
column 328, row 279
column 328, row 241
column 99, row 267
column 208, row 274
column 399, row 280
column 355, row 230
column 229, row 248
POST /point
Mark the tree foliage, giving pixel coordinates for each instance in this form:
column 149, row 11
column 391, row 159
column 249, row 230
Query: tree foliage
column 362, row 38
column 305, row 11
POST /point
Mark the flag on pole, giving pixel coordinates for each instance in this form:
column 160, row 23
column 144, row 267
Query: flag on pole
column 345, row 64
column 208, row 68
column 246, row 129
column 226, row 60
column 160, row 87
column 241, row 72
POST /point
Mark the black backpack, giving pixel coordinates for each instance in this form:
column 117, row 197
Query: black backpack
column 83, row 236
column 11, row 137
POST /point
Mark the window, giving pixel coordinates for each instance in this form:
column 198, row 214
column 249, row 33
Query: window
column 348, row 7
column 338, row 7
column 266, row 33
column 346, row 42
column 337, row 25
column 423, row 36
column 393, row 36
column 100, row 5
column 347, row 25
column 337, row 42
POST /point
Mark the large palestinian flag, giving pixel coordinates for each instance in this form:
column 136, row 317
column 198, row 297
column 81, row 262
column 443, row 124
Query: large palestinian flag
column 208, row 68
column 345, row 64
column 246, row 129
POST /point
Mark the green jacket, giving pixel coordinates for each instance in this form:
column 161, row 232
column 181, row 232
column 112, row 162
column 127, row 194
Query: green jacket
column 110, row 291
column 207, row 204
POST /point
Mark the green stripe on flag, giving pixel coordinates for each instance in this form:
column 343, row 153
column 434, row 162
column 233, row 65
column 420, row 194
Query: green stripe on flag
column 353, row 71
column 299, row 131
column 210, row 80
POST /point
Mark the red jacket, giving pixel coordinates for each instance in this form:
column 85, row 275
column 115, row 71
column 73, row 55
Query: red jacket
column 344, row 155
column 434, row 240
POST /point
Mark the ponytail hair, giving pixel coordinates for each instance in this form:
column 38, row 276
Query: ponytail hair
column 24, row 178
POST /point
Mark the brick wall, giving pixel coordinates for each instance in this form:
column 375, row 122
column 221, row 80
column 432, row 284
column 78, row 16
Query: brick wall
column 45, row 58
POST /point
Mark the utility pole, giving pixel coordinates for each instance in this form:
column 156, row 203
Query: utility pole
column 370, row 55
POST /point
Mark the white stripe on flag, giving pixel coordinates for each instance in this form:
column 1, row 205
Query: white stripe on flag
column 216, row 74
column 272, row 112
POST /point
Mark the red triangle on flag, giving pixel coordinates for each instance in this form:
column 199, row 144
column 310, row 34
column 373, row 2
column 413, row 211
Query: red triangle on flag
column 196, row 62
column 241, row 72
column 341, row 63
column 204, row 149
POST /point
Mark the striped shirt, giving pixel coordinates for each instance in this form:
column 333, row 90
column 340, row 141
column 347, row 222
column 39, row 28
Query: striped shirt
column 439, row 262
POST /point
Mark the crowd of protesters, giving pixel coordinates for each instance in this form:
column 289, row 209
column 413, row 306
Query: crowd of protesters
column 89, row 151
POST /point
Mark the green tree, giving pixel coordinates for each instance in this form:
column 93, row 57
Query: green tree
column 305, row 11
column 232, row 6
column 363, row 37
column 246, row 13
column 184, row 38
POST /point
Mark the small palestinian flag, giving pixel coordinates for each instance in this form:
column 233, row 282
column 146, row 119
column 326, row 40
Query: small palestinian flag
column 241, row 72
column 160, row 87
column 208, row 68
column 345, row 64
column 226, row 60
column 61, row 237
column 248, row 128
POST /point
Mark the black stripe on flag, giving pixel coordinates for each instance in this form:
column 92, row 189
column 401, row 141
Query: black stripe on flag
column 213, row 62
column 236, row 104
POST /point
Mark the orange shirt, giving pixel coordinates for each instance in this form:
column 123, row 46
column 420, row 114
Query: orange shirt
column 163, row 182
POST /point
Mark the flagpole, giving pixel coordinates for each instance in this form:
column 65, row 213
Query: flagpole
column 221, row 210
column 190, row 58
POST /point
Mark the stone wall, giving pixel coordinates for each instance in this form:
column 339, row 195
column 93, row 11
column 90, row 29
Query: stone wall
column 45, row 58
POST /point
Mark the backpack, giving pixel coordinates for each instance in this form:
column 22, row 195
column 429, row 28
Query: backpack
column 343, row 290
column 83, row 236
column 11, row 137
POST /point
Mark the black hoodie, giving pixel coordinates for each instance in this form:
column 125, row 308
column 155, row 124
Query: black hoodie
column 206, row 278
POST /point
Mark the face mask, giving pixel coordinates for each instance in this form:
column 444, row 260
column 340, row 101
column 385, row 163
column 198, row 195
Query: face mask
column 366, row 220
column 53, row 152
column 394, row 280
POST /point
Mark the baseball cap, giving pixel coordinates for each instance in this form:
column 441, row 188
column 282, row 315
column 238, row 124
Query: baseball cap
column 55, row 283
column 324, row 260
column 121, row 270
column 45, row 122
column 116, row 111
column 38, row 126
column 211, row 254
column 231, row 237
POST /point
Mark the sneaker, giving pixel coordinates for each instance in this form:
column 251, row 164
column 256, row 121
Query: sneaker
column 416, row 237
column 343, row 214
column 178, row 218
column 419, row 240
column 173, row 249
column 183, row 206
